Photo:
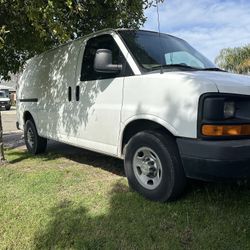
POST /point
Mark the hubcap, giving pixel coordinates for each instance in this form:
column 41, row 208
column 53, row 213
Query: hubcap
column 147, row 168
column 30, row 137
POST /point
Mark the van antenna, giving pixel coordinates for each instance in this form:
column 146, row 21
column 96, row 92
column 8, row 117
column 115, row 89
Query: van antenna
column 159, row 30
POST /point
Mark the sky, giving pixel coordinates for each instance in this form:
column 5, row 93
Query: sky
column 208, row 25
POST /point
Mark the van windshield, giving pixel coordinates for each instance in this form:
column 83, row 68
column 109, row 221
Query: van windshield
column 2, row 95
column 152, row 52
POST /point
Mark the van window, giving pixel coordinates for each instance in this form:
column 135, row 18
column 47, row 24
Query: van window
column 102, row 42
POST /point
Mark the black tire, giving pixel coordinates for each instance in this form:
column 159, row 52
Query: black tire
column 7, row 107
column 172, row 180
column 37, row 144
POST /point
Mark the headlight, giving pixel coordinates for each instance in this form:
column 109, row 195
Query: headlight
column 229, row 109
column 224, row 115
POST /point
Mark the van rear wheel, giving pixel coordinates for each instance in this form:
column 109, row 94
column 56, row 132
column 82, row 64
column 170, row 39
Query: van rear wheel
column 153, row 166
column 34, row 143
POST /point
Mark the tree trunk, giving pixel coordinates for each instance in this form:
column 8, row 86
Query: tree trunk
column 2, row 158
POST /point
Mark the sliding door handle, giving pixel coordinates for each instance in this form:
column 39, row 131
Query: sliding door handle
column 69, row 94
column 77, row 93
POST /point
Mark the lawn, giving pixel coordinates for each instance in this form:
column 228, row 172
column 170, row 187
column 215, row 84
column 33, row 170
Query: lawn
column 65, row 201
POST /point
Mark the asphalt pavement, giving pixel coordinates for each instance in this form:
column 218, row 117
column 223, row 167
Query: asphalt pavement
column 12, row 137
column 9, row 120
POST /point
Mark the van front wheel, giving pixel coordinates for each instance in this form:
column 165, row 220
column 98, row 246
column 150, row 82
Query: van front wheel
column 153, row 166
column 34, row 143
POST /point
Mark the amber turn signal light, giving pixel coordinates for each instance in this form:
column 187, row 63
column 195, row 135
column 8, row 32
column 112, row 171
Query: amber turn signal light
column 225, row 130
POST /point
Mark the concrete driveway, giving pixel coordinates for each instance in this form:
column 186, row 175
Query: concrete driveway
column 9, row 120
column 12, row 137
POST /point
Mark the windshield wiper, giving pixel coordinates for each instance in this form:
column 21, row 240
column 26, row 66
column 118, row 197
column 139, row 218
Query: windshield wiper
column 182, row 66
column 213, row 69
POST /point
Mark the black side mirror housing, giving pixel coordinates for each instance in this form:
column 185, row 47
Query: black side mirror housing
column 103, row 62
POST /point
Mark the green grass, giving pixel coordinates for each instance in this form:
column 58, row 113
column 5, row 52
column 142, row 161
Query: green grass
column 83, row 202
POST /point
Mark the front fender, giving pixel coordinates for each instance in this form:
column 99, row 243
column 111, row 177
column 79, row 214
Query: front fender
column 147, row 117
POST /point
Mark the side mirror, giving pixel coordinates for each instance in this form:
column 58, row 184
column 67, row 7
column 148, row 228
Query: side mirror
column 103, row 62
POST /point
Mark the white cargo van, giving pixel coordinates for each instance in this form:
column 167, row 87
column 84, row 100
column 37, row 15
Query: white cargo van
column 149, row 99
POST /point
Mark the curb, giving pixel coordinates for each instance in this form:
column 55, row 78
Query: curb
column 12, row 132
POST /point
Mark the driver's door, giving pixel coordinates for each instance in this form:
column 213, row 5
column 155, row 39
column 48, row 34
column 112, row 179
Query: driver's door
column 98, row 109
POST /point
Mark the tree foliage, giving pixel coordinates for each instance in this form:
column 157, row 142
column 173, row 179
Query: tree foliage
column 28, row 27
column 236, row 60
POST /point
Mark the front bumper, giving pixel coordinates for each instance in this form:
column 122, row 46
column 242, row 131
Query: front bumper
column 215, row 160
column 4, row 103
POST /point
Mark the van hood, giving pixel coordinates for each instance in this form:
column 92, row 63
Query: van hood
column 225, row 82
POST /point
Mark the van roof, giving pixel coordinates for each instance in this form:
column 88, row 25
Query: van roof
column 117, row 30
column 79, row 38
column 107, row 30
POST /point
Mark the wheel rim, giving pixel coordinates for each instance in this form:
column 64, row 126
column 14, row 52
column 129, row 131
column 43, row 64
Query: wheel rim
column 30, row 137
column 147, row 168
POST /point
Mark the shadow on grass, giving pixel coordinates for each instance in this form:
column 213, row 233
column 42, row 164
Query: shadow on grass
column 87, row 157
column 57, row 150
column 134, row 223
column 130, row 223
column 18, row 156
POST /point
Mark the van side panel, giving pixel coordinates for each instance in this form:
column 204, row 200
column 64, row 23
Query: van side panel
column 47, row 78
column 30, row 88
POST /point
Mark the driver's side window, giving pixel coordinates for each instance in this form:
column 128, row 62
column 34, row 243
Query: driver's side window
column 88, row 72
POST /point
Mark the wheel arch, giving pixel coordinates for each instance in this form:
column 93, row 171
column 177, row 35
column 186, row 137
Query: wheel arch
column 27, row 115
column 135, row 126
